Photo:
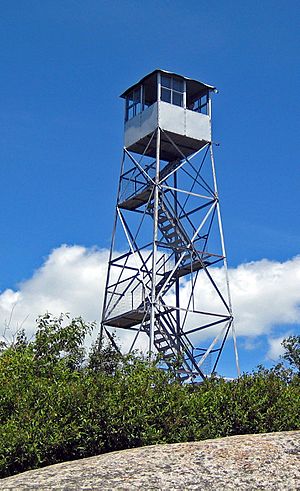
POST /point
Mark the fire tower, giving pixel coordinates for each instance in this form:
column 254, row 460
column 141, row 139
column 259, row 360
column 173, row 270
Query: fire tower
column 167, row 285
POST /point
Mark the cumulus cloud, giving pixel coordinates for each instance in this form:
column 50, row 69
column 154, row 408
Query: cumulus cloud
column 275, row 346
column 265, row 294
column 71, row 280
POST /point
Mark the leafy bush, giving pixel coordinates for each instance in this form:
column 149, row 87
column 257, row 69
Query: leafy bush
column 57, row 403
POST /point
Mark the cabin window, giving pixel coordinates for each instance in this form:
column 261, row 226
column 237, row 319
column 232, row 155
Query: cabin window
column 200, row 104
column 134, row 104
column 172, row 90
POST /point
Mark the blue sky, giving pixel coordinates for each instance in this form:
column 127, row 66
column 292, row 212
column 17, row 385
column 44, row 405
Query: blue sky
column 64, row 64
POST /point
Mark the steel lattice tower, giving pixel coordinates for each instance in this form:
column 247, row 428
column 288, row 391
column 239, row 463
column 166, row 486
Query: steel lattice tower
column 163, row 287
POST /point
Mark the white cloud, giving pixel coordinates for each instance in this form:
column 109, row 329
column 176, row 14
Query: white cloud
column 71, row 280
column 275, row 347
column 265, row 294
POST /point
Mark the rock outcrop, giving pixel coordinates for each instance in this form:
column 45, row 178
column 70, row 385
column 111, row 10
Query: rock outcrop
column 247, row 462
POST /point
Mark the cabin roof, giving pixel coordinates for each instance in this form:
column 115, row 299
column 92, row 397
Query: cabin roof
column 192, row 85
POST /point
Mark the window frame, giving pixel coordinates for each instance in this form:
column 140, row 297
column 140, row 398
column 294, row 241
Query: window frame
column 171, row 90
column 199, row 105
column 134, row 102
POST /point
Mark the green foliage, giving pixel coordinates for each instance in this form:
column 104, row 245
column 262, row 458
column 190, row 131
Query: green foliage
column 57, row 403
column 103, row 357
column 292, row 351
column 55, row 341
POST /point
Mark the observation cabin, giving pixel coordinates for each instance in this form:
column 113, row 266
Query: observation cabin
column 179, row 106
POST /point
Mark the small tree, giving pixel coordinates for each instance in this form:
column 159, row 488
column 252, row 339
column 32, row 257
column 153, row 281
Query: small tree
column 59, row 338
column 105, row 356
column 292, row 351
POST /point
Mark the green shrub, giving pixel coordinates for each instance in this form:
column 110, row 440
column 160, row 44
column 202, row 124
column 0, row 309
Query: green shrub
column 58, row 404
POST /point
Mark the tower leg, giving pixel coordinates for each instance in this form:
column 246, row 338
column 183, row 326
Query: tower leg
column 177, row 289
column 225, row 262
column 154, row 246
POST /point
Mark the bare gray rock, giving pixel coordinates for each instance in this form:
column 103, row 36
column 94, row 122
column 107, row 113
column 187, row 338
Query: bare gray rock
column 247, row 462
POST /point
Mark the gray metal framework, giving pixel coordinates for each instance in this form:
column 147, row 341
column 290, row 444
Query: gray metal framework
column 164, row 289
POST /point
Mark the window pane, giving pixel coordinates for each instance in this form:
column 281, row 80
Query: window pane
column 139, row 108
column 166, row 81
column 129, row 98
column 178, row 84
column 130, row 113
column 136, row 95
column 165, row 95
column 177, row 99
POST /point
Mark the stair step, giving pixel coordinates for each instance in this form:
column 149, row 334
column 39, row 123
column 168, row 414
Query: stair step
column 164, row 349
column 169, row 356
column 167, row 227
column 159, row 340
column 178, row 240
column 164, row 346
column 172, row 235
column 162, row 218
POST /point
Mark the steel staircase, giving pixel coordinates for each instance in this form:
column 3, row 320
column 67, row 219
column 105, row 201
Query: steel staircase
column 175, row 351
column 190, row 261
column 175, row 348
